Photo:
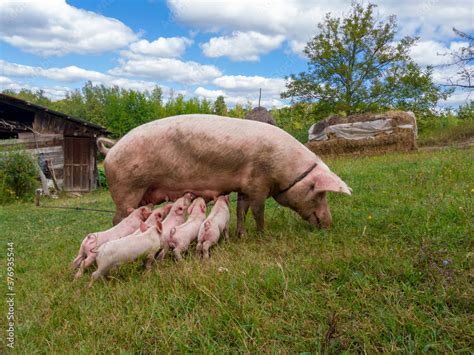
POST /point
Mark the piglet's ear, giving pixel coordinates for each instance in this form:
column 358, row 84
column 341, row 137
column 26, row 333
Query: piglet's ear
column 130, row 210
column 143, row 227
column 190, row 208
column 145, row 212
column 203, row 206
column 159, row 226
column 328, row 181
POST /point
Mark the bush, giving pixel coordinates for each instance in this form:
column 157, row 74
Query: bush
column 101, row 179
column 18, row 176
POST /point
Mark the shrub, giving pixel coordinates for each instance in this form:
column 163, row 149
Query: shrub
column 18, row 176
column 101, row 179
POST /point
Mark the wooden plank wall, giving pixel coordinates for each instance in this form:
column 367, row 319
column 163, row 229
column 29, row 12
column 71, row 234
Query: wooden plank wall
column 51, row 145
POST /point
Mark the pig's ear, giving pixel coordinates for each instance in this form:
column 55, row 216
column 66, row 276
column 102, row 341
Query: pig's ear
column 227, row 199
column 143, row 227
column 130, row 210
column 203, row 207
column 159, row 226
column 328, row 181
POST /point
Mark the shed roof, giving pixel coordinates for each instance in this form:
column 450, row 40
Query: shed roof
column 23, row 104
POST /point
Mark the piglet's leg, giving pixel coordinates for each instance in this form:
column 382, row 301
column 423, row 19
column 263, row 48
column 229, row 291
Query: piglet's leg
column 94, row 277
column 177, row 254
column 85, row 264
column 205, row 249
column 226, row 231
column 150, row 259
column 163, row 252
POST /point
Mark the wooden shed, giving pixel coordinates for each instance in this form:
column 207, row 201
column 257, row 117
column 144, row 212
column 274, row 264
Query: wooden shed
column 64, row 145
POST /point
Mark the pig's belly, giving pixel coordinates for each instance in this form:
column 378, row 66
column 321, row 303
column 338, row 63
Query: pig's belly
column 156, row 195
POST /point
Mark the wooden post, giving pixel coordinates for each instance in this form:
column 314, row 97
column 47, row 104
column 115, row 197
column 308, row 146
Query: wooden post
column 259, row 97
column 37, row 197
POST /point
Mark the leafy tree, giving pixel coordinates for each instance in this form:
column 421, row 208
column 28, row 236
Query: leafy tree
column 220, row 107
column 355, row 65
column 205, row 107
column 238, row 111
column 466, row 111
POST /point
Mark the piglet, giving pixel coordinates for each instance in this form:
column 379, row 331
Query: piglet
column 127, row 249
column 88, row 249
column 158, row 214
column 173, row 219
column 216, row 223
column 182, row 236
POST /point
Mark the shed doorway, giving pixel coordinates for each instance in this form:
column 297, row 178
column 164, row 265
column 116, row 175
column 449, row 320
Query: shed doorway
column 77, row 164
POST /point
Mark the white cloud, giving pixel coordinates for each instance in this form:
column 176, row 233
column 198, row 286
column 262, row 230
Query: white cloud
column 53, row 92
column 169, row 69
column 242, row 46
column 434, row 52
column 56, row 28
column 297, row 19
column 209, row 94
column 72, row 74
column 240, row 89
column 170, row 47
column 66, row 74
column 459, row 97
column 250, row 85
column 232, row 99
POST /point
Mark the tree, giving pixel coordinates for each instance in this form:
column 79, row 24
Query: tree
column 220, row 107
column 356, row 65
column 463, row 60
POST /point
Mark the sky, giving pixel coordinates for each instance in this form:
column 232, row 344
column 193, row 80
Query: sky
column 198, row 48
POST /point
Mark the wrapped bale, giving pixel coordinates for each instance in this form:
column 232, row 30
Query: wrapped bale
column 364, row 134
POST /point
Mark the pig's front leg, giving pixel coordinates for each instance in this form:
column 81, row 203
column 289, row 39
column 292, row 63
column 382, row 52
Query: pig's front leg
column 125, row 197
column 243, row 205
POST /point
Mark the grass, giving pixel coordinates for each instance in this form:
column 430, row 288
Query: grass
column 447, row 133
column 394, row 274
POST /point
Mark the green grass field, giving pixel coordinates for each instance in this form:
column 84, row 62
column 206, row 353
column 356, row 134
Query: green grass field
column 393, row 274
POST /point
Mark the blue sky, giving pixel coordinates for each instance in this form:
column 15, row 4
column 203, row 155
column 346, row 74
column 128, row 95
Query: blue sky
column 198, row 48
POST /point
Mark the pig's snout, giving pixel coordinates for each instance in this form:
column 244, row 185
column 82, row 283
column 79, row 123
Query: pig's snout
column 320, row 219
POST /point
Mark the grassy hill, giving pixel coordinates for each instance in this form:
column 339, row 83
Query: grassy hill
column 394, row 273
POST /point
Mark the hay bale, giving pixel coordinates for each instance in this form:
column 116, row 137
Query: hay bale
column 401, row 139
column 260, row 114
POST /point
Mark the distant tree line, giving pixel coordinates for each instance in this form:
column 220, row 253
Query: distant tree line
column 120, row 110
